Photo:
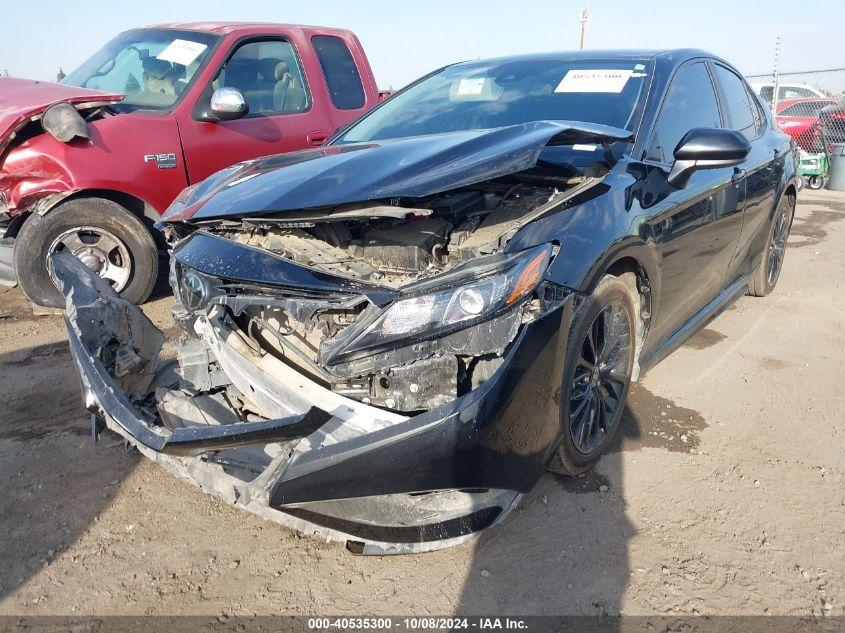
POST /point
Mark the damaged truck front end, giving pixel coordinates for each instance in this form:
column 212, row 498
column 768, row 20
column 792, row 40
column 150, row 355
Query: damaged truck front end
column 383, row 370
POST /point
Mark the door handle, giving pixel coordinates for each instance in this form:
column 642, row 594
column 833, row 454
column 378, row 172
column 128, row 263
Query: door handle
column 317, row 138
column 738, row 176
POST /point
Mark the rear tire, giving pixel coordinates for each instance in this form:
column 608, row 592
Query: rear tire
column 597, row 375
column 101, row 232
column 765, row 278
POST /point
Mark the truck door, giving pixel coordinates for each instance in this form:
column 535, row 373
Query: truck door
column 282, row 115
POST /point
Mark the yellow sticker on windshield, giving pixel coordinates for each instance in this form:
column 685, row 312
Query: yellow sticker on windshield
column 594, row 81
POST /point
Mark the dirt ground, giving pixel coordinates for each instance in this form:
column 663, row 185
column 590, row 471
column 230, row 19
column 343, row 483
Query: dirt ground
column 724, row 496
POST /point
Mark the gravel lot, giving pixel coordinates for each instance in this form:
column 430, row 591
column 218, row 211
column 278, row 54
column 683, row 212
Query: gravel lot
column 724, row 496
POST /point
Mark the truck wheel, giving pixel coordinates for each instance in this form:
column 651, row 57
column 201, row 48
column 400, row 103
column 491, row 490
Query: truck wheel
column 102, row 234
column 765, row 278
column 596, row 376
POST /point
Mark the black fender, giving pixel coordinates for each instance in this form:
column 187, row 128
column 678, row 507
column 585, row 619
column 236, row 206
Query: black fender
column 584, row 230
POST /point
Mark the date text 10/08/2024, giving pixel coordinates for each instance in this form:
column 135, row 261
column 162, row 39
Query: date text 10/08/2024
column 414, row 623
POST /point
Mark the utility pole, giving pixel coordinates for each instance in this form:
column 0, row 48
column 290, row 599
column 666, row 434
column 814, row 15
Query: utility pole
column 776, row 77
column 585, row 17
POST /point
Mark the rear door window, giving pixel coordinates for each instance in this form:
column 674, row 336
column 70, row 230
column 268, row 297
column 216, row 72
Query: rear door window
column 690, row 102
column 741, row 113
column 339, row 70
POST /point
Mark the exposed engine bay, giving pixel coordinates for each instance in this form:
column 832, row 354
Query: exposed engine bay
column 428, row 238
column 397, row 244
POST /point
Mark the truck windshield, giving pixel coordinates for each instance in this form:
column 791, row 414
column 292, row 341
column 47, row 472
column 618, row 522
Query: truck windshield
column 152, row 67
column 483, row 95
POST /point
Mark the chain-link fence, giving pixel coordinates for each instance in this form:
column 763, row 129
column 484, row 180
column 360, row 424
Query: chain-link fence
column 808, row 105
column 806, row 93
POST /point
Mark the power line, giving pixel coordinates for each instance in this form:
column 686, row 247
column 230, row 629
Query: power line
column 798, row 72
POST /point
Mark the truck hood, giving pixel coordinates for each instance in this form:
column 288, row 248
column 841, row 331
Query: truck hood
column 22, row 99
column 357, row 172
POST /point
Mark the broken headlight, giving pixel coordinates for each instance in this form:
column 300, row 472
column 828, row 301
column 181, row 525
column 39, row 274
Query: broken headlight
column 492, row 285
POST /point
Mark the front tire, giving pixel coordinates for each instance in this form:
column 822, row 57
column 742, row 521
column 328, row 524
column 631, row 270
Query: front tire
column 596, row 376
column 101, row 233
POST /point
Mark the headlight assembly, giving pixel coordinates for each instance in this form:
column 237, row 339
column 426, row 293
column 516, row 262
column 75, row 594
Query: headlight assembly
column 488, row 287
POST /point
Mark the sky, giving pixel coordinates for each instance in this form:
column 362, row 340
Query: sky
column 404, row 40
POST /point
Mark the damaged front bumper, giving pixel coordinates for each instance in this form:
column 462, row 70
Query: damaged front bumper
column 317, row 461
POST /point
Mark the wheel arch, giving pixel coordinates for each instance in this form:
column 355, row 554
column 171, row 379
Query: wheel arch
column 636, row 259
column 138, row 207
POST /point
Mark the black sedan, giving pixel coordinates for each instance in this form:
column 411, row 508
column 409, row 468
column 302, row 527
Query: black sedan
column 389, row 339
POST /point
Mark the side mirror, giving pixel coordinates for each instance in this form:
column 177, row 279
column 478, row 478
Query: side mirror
column 228, row 104
column 706, row 148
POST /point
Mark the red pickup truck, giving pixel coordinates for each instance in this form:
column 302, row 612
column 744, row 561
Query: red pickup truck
column 88, row 165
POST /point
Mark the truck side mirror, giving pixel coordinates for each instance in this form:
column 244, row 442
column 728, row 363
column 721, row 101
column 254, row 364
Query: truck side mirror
column 228, row 103
column 224, row 104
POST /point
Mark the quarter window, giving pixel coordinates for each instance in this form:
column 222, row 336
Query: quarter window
column 340, row 72
column 269, row 76
column 741, row 113
column 690, row 102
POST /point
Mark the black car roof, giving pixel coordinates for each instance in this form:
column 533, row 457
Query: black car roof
column 672, row 55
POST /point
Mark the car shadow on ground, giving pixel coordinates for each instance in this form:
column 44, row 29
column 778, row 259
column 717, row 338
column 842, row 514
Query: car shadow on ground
column 56, row 482
column 582, row 565
column 522, row 567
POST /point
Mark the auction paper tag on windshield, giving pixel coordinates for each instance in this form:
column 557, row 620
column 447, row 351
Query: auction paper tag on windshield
column 471, row 86
column 594, row 81
column 182, row 52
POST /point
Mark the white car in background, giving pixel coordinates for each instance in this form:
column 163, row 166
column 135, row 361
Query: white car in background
column 786, row 91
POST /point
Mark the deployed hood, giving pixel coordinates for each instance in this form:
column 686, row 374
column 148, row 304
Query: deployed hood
column 22, row 99
column 408, row 167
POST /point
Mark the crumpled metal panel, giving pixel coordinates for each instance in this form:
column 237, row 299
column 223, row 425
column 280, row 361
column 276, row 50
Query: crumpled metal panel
column 117, row 332
column 408, row 167
column 21, row 99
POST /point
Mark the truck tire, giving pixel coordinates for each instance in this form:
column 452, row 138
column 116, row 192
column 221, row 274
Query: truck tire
column 764, row 279
column 596, row 375
column 101, row 233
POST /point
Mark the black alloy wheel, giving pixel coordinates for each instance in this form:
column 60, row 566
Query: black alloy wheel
column 597, row 372
column 601, row 378
column 777, row 245
column 765, row 277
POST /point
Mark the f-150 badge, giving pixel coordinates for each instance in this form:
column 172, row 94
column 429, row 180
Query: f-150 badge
column 162, row 161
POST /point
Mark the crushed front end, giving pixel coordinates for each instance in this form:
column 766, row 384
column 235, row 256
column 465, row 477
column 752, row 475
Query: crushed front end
column 383, row 373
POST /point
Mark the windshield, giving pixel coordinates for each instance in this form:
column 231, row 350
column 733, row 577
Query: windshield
column 152, row 67
column 487, row 95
